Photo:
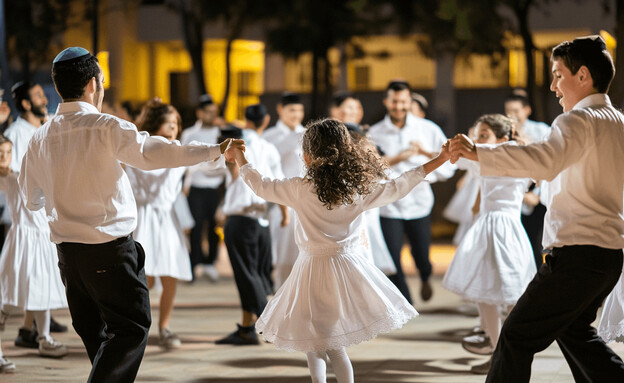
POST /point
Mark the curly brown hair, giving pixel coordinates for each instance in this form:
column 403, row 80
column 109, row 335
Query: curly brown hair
column 338, row 168
column 153, row 115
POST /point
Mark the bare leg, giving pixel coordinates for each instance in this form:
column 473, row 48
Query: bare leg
column 167, row 298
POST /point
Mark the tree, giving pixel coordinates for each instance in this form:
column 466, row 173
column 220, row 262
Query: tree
column 456, row 28
column 31, row 26
column 316, row 26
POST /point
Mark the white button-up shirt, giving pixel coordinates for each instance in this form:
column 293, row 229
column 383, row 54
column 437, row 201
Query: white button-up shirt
column 392, row 140
column 239, row 198
column 203, row 177
column 582, row 160
column 20, row 132
column 288, row 143
column 73, row 169
column 535, row 131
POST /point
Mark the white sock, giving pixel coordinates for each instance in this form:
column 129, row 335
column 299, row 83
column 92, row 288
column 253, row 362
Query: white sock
column 42, row 318
column 341, row 364
column 317, row 366
column 491, row 320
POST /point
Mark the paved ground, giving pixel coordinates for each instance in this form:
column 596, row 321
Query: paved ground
column 426, row 350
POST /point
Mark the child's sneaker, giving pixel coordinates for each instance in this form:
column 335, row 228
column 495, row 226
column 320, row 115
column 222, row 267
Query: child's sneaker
column 169, row 340
column 6, row 366
column 51, row 348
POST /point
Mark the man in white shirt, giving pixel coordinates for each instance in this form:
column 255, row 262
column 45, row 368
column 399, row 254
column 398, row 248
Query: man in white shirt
column 73, row 169
column 286, row 135
column 517, row 107
column 584, row 223
column 246, row 231
column 409, row 141
column 204, row 196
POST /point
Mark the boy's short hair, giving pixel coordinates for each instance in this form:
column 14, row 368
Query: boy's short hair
column 72, row 69
column 517, row 97
column 590, row 51
column 397, row 86
column 256, row 113
column 21, row 91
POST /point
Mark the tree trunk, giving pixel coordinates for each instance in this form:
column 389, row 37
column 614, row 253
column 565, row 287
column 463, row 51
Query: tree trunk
column 522, row 12
column 194, row 41
column 228, row 75
column 444, row 93
column 315, row 80
column 617, row 88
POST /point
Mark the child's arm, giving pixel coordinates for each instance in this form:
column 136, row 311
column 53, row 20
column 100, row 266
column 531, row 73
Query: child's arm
column 281, row 192
column 401, row 186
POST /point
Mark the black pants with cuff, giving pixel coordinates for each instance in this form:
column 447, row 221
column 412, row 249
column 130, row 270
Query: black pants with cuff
column 203, row 203
column 418, row 232
column 249, row 248
column 109, row 304
column 559, row 305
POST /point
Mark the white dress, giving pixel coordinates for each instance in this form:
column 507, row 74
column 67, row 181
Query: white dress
column 29, row 275
column 611, row 326
column 158, row 229
column 334, row 297
column 459, row 208
column 494, row 262
column 379, row 253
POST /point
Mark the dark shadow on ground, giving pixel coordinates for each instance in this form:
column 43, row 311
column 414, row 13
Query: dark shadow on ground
column 369, row 371
column 450, row 336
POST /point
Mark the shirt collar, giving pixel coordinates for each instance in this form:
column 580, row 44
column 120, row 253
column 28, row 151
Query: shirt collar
column 280, row 124
column 593, row 99
column 410, row 119
column 76, row 106
column 23, row 121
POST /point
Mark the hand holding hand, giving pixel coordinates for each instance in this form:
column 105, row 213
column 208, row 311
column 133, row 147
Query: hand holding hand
column 445, row 153
column 462, row 146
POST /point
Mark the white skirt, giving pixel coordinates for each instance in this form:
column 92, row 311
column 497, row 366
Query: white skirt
column 611, row 326
column 331, row 301
column 29, row 275
column 163, row 240
column 494, row 263
column 378, row 248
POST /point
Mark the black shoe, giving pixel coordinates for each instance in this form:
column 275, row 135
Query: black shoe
column 426, row 291
column 27, row 338
column 56, row 326
column 240, row 337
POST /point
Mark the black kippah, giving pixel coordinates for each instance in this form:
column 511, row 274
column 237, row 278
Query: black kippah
column 230, row 131
column 290, row 98
column 255, row 112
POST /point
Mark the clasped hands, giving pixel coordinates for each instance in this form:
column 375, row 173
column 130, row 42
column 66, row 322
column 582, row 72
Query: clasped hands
column 233, row 150
column 461, row 146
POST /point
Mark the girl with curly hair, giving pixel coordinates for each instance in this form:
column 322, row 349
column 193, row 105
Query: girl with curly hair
column 334, row 297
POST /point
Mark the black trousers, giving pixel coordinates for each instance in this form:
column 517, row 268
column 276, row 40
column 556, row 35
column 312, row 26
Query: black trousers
column 534, row 227
column 559, row 305
column 203, row 203
column 109, row 304
column 418, row 232
column 249, row 247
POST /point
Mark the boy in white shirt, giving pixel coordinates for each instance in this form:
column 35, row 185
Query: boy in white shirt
column 584, row 225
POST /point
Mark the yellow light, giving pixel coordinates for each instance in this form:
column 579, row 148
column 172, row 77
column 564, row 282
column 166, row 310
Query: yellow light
column 609, row 40
column 103, row 59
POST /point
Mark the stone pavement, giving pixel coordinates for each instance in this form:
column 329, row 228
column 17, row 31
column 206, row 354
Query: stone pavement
column 427, row 349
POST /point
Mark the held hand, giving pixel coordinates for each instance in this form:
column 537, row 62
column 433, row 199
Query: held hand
column 445, row 153
column 462, row 146
column 233, row 147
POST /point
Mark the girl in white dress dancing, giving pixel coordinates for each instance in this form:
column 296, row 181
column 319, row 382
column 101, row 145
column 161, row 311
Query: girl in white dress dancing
column 29, row 276
column 334, row 296
column 158, row 229
column 494, row 262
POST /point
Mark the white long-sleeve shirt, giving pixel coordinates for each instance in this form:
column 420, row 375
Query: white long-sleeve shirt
column 239, row 198
column 203, row 177
column 73, row 169
column 392, row 140
column 582, row 160
column 20, row 132
column 288, row 143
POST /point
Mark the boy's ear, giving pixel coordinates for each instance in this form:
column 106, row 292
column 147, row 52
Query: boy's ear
column 584, row 76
